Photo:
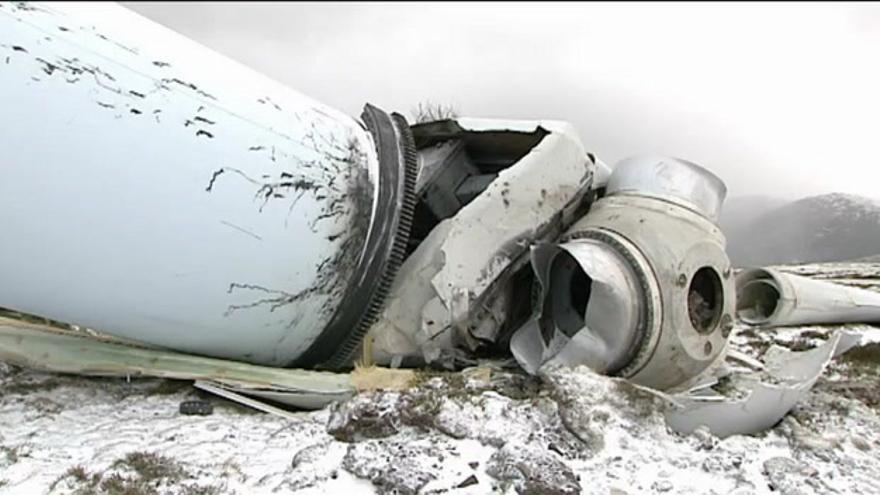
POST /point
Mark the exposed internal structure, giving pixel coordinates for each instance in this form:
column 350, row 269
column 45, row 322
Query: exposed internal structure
column 569, row 295
column 705, row 300
column 757, row 301
column 456, row 166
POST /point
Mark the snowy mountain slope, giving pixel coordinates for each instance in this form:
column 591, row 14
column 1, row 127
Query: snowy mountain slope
column 830, row 227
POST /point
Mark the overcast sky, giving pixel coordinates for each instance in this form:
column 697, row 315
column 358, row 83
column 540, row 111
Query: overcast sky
column 778, row 99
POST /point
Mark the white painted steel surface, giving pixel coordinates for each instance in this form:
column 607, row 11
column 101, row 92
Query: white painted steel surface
column 158, row 191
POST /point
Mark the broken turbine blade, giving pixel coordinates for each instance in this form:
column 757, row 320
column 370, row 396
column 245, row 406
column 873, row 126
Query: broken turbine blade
column 770, row 297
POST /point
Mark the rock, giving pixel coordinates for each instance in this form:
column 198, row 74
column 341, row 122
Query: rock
column 861, row 444
column 365, row 416
column 393, row 466
column 310, row 454
column 803, row 438
column 788, row 476
column 196, row 408
column 724, row 462
column 469, row 481
column 532, row 470
column 704, row 439
column 455, row 419
column 310, row 467
column 662, row 486
column 590, row 404
column 7, row 370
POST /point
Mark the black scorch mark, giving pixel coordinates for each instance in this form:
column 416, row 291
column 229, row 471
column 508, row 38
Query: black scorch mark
column 48, row 67
column 189, row 85
column 269, row 189
column 217, row 173
column 269, row 101
column 355, row 201
column 275, row 298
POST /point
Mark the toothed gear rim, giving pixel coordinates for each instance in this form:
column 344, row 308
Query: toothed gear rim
column 386, row 245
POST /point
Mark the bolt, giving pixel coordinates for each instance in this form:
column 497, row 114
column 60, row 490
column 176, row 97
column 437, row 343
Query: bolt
column 682, row 280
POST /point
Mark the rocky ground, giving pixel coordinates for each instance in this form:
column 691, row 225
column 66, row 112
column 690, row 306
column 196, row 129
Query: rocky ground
column 485, row 430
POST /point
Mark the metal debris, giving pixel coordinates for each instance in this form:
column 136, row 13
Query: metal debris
column 766, row 398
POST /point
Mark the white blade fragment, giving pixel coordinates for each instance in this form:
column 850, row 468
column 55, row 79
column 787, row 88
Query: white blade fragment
column 221, row 391
column 791, row 375
column 62, row 351
column 773, row 298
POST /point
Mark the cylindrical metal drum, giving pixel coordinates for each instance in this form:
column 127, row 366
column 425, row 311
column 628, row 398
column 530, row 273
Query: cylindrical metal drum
column 155, row 190
column 641, row 286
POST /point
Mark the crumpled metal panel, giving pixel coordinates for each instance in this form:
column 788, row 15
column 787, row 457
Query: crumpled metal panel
column 446, row 281
column 599, row 334
column 768, row 397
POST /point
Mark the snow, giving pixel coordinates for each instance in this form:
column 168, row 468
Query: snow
column 571, row 431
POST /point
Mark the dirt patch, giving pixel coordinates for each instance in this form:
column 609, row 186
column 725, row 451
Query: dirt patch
column 859, row 370
column 137, row 473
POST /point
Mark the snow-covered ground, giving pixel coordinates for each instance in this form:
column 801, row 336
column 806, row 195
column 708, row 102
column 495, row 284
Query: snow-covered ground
column 488, row 430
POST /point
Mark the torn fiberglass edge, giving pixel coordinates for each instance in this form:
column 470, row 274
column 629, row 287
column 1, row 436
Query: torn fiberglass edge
column 767, row 396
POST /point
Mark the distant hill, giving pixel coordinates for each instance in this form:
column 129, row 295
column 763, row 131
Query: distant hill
column 740, row 212
column 831, row 227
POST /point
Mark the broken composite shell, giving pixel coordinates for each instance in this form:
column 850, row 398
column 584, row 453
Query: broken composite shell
column 488, row 189
column 155, row 190
column 773, row 298
column 641, row 286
